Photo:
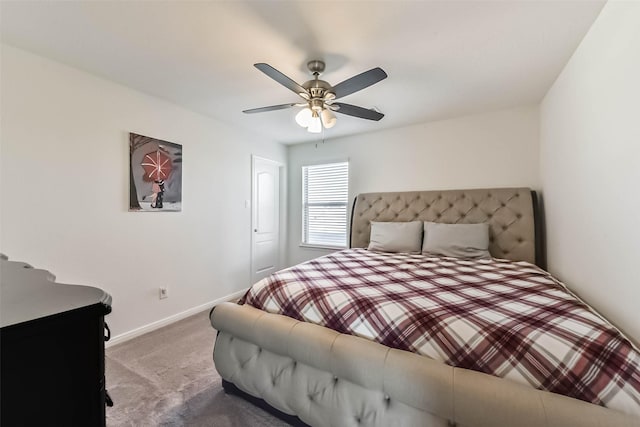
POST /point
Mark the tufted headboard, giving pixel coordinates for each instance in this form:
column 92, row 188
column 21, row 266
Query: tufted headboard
column 512, row 213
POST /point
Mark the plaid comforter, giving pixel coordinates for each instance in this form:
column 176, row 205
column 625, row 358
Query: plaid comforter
column 504, row 318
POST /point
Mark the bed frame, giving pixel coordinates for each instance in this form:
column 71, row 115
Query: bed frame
column 310, row 375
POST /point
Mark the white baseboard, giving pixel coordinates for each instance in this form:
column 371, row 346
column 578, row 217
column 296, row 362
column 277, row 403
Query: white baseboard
column 117, row 339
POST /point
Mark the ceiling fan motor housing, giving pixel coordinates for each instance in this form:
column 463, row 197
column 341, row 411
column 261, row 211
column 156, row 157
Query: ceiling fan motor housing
column 317, row 88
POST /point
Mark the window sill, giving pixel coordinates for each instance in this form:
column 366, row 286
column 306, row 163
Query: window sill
column 321, row 247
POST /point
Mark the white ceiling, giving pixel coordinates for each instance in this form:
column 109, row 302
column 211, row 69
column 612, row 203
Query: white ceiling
column 444, row 58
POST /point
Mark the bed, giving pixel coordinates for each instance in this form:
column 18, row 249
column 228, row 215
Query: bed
column 314, row 375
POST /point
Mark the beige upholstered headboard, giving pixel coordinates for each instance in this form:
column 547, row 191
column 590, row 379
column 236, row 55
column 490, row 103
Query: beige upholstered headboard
column 514, row 228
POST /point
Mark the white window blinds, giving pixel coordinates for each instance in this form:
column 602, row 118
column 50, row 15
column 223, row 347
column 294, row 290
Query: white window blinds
column 325, row 193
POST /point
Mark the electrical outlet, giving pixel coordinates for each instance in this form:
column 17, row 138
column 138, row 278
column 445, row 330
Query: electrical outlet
column 164, row 292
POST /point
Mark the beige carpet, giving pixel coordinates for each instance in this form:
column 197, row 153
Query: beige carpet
column 167, row 378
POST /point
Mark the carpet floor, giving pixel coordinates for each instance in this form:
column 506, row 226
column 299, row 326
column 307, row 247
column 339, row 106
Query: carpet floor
column 167, row 378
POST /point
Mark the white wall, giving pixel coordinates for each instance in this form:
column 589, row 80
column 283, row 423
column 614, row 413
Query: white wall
column 590, row 167
column 64, row 188
column 498, row 149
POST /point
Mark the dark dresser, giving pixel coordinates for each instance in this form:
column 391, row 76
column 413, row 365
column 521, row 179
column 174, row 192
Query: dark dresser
column 51, row 350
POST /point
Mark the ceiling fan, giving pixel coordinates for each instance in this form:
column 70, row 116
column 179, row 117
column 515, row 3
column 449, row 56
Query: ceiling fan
column 319, row 96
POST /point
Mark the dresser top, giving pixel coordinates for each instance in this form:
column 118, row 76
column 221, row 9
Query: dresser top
column 28, row 294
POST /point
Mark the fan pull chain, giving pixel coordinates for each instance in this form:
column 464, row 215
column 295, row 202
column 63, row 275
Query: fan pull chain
column 322, row 137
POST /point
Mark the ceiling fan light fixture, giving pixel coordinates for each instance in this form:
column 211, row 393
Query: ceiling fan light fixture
column 303, row 118
column 319, row 96
column 328, row 118
column 315, row 125
column 316, row 105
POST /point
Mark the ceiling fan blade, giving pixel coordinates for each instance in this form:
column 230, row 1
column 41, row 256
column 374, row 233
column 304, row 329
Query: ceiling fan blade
column 270, row 108
column 280, row 78
column 359, row 82
column 355, row 111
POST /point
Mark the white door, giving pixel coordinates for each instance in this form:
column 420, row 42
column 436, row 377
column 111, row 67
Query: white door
column 265, row 243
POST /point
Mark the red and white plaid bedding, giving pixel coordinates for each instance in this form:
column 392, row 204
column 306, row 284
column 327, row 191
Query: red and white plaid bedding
column 504, row 318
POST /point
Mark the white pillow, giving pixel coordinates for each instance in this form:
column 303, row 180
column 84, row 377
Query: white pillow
column 456, row 240
column 396, row 236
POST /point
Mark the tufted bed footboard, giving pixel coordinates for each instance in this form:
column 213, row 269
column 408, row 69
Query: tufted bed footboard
column 330, row 379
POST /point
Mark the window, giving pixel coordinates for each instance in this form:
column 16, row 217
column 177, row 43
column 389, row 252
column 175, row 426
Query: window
column 325, row 193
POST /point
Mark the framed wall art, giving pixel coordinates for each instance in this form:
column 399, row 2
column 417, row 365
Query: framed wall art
column 155, row 174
